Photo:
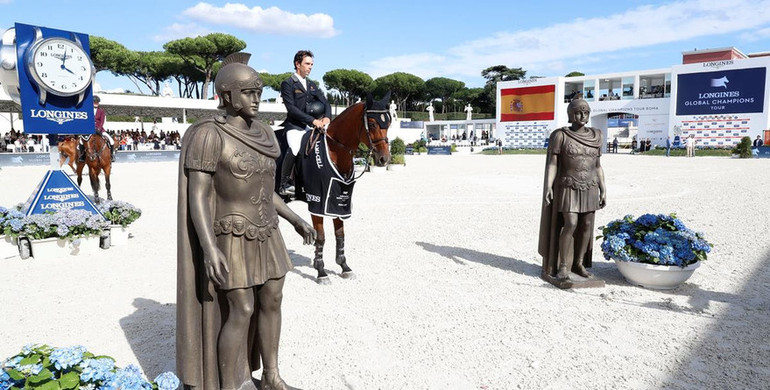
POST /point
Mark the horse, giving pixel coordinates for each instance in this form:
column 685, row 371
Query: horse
column 365, row 123
column 97, row 158
column 68, row 149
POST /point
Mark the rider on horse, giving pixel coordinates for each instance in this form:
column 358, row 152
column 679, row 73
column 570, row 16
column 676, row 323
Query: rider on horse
column 306, row 108
column 99, row 118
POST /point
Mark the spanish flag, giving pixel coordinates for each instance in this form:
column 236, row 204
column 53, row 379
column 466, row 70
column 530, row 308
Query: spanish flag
column 527, row 103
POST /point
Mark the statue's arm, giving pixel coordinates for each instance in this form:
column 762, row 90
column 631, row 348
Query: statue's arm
column 550, row 176
column 303, row 228
column 199, row 193
column 602, row 187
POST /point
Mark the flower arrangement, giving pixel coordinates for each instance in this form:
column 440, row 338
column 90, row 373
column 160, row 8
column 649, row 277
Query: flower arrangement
column 11, row 221
column 69, row 224
column 45, row 367
column 653, row 239
column 120, row 213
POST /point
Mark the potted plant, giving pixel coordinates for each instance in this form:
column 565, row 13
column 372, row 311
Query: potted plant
column 397, row 151
column 655, row 251
column 71, row 368
column 77, row 231
column 120, row 216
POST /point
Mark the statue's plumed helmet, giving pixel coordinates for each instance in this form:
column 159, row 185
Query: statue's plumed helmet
column 234, row 76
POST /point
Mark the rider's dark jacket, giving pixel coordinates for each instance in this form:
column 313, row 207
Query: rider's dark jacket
column 296, row 99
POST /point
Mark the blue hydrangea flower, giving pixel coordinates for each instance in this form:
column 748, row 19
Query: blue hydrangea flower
column 30, row 369
column 5, row 381
column 129, row 378
column 13, row 362
column 16, row 225
column 167, row 381
column 647, row 220
column 64, row 358
column 97, row 370
column 656, row 239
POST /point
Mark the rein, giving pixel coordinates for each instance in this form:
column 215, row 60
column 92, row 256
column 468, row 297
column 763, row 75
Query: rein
column 352, row 152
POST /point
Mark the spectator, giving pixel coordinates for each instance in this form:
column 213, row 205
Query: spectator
column 758, row 142
column 690, row 144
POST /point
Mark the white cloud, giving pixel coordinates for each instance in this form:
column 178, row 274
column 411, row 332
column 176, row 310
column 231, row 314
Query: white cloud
column 271, row 20
column 757, row 35
column 561, row 46
column 179, row 31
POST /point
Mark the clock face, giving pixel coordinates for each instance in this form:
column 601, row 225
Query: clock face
column 60, row 66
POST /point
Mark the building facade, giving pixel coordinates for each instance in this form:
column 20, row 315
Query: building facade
column 717, row 96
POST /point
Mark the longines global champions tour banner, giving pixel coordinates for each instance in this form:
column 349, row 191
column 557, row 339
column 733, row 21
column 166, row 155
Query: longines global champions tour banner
column 527, row 103
column 721, row 92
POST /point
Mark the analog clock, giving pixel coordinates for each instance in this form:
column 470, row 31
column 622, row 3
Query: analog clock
column 60, row 66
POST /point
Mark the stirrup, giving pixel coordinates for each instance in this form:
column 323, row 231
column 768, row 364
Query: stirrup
column 286, row 190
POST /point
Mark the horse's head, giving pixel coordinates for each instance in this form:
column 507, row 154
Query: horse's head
column 95, row 148
column 377, row 124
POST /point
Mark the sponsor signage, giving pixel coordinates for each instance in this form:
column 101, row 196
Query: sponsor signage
column 58, row 192
column 412, row 125
column 721, row 92
column 763, row 151
column 57, row 114
column 447, row 150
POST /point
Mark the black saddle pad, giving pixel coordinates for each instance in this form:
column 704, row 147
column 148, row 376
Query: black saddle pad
column 318, row 183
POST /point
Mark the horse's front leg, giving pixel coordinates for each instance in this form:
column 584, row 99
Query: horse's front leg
column 339, row 235
column 318, row 261
column 107, row 184
column 79, row 171
column 94, row 176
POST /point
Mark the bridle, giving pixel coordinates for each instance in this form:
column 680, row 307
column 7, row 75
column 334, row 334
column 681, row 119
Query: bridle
column 95, row 153
column 373, row 114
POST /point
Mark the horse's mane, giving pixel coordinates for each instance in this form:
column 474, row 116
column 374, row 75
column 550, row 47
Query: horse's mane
column 349, row 111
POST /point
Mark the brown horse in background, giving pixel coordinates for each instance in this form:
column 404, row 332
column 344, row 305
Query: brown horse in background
column 365, row 123
column 98, row 159
column 68, row 149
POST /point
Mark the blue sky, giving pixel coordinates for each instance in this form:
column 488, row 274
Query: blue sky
column 426, row 38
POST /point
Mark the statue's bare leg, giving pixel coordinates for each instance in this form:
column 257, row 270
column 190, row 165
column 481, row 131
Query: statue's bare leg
column 270, row 296
column 582, row 241
column 234, row 369
column 566, row 245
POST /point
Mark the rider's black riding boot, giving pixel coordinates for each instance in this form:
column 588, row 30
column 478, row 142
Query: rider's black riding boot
column 81, row 153
column 285, row 188
column 112, row 153
column 340, row 258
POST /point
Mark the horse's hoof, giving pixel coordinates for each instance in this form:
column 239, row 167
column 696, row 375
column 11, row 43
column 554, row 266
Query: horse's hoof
column 324, row 280
column 348, row 275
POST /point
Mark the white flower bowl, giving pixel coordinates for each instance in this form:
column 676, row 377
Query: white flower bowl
column 659, row 277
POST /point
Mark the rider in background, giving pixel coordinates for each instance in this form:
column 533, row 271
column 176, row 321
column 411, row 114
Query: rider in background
column 99, row 118
column 299, row 94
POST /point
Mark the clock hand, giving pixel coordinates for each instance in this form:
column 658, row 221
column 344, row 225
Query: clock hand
column 65, row 68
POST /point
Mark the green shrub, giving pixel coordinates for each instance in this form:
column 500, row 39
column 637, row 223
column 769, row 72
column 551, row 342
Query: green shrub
column 454, row 148
column 743, row 149
column 397, row 147
column 362, row 151
column 397, row 159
